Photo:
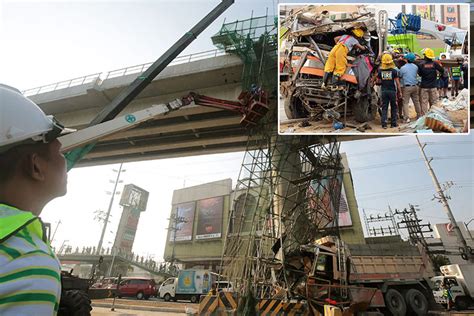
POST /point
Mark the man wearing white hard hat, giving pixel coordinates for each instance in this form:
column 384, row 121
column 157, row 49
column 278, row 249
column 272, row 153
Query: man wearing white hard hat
column 32, row 173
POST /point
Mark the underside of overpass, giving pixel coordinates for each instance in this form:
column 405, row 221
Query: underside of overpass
column 192, row 130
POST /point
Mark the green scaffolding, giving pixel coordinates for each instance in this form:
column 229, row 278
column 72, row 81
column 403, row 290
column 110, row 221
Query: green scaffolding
column 255, row 41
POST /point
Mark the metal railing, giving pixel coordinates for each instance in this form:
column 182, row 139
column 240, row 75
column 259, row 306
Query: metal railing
column 62, row 84
column 120, row 72
column 178, row 60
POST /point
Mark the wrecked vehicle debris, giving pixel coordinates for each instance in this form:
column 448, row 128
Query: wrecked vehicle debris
column 307, row 43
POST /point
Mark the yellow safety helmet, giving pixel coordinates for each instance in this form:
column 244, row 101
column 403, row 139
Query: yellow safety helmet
column 387, row 59
column 396, row 51
column 429, row 53
column 358, row 32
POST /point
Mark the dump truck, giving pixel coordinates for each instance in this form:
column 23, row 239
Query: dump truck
column 459, row 278
column 370, row 277
column 308, row 39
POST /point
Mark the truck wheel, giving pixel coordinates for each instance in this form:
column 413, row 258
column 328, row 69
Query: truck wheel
column 416, row 302
column 462, row 303
column 140, row 296
column 293, row 108
column 395, row 303
column 194, row 299
column 74, row 303
column 167, row 297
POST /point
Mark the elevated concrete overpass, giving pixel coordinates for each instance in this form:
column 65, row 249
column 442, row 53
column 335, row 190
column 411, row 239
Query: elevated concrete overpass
column 193, row 130
column 117, row 259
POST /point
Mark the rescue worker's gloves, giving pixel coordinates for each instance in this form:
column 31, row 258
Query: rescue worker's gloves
column 429, row 53
column 358, row 32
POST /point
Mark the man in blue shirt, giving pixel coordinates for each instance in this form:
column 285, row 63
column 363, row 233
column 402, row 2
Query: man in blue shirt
column 408, row 73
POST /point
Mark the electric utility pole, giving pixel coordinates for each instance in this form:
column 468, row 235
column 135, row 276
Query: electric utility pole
column 106, row 220
column 464, row 249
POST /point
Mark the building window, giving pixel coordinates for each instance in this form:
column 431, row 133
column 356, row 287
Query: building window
column 451, row 20
column 451, row 9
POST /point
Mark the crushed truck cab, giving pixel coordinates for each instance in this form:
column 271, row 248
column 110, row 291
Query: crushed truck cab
column 303, row 53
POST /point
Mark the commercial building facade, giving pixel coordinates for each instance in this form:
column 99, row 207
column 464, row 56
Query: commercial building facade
column 199, row 220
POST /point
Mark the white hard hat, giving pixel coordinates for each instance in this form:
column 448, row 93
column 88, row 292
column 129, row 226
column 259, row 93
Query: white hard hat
column 22, row 121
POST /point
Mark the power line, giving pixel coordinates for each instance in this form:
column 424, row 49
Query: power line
column 402, row 147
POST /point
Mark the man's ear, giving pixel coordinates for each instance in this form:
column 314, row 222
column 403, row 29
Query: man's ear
column 34, row 166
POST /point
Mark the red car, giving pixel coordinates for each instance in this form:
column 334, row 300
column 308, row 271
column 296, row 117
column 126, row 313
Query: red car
column 141, row 288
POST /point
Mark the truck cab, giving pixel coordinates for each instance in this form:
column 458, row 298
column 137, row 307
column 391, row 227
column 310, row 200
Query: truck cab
column 458, row 279
column 167, row 289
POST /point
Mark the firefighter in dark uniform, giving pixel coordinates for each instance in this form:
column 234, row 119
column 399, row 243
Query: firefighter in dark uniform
column 428, row 69
column 388, row 76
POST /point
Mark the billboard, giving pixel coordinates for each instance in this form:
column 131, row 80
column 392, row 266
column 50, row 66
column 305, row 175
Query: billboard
column 328, row 197
column 209, row 218
column 134, row 201
column 135, row 197
column 184, row 227
column 450, row 15
column 425, row 12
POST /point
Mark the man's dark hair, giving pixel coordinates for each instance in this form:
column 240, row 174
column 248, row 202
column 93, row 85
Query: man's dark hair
column 11, row 159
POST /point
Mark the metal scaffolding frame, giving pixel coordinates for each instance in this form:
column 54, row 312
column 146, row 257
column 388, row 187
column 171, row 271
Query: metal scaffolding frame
column 287, row 195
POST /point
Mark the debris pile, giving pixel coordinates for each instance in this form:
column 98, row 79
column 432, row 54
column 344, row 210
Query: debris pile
column 460, row 103
column 437, row 119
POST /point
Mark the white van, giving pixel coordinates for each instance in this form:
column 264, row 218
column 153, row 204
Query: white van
column 167, row 289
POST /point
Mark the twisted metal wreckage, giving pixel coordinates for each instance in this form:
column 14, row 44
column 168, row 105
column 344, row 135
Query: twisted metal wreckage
column 308, row 36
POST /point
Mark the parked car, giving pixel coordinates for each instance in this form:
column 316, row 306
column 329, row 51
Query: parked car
column 141, row 288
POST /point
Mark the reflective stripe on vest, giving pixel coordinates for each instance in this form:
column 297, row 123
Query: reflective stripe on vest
column 13, row 220
column 456, row 71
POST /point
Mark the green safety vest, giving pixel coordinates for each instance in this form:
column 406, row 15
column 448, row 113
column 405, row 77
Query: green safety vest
column 456, row 71
column 13, row 220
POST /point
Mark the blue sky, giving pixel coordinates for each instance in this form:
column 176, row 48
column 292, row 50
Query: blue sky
column 390, row 171
column 46, row 42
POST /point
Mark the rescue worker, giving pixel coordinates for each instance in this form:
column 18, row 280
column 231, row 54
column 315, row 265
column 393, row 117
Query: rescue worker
column 336, row 63
column 428, row 69
column 465, row 72
column 443, row 81
column 388, row 76
column 399, row 62
column 455, row 74
column 32, row 173
column 408, row 76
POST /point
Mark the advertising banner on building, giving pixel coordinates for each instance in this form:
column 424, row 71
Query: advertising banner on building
column 424, row 11
column 328, row 198
column 209, row 218
column 344, row 212
column 184, row 222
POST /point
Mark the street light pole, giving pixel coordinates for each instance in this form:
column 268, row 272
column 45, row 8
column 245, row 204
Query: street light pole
column 114, row 250
column 55, row 230
column 99, row 246
column 444, row 201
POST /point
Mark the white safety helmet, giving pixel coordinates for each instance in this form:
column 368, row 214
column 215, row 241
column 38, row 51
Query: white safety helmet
column 23, row 122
